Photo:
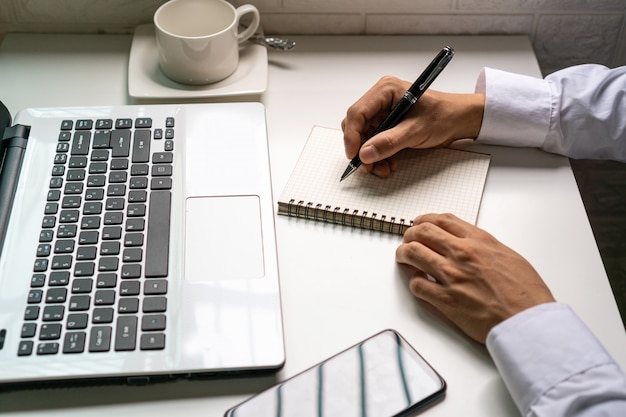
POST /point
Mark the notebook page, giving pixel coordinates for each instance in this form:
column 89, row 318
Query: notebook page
column 426, row 181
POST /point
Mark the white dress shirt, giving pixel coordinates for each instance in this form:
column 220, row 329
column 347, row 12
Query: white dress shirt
column 577, row 112
column 549, row 360
column 554, row 366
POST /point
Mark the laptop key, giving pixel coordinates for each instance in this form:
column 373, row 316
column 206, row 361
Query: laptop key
column 104, row 297
column 25, row 348
column 128, row 305
column 53, row 313
column 29, row 330
column 67, row 230
column 159, row 183
column 46, row 236
column 102, row 139
column 106, row 280
column 82, row 286
column 158, row 239
column 47, row 348
column 104, row 124
column 162, row 158
column 81, row 143
column 74, row 342
column 154, row 304
column 126, row 333
column 119, row 163
column 139, row 170
column 120, row 143
column 141, row 146
column 84, row 124
column 50, row 331
column 99, row 155
column 131, row 271
column 77, row 321
column 35, row 296
column 100, row 339
column 80, row 302
column 58, row 278
column 56, row 295
column 44, row 249
column 155, row 287
column 102, row 315
column 152, row 341
column 37, row 280
column 31, row 313
column 153, row 322
column 108, row 263
column 128, row 288
column 78, row 162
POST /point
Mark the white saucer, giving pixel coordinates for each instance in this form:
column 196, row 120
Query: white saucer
column 146, row 80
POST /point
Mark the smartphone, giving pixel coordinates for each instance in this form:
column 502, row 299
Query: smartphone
column 382, row 376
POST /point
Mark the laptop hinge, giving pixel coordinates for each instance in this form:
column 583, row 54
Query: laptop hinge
column 12, row 149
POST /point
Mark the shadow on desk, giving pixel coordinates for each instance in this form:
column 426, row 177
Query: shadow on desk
column 50, row 399
column 602, row 186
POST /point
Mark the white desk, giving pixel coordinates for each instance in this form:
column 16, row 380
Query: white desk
column 341, row 285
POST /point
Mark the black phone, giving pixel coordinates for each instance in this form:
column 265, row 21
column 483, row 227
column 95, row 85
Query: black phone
column 382, row 376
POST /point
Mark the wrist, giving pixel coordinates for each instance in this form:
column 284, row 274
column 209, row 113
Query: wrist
column 471, row 115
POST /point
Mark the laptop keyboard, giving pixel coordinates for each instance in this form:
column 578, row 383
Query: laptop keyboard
column 99, row 280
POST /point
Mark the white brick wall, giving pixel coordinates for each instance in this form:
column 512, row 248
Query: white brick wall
column 563, row 32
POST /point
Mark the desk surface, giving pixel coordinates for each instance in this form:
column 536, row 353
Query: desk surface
column 341, row 285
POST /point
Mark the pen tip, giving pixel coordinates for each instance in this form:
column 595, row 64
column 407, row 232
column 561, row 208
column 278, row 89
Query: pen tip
column 351, row 168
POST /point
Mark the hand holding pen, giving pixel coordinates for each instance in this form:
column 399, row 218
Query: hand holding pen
column 380, row 97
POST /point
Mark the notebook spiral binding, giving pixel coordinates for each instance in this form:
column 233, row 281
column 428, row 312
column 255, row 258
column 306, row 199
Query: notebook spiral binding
column 345, row 217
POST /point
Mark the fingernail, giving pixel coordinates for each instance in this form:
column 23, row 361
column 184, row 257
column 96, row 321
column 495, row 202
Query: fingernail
column 369, row 154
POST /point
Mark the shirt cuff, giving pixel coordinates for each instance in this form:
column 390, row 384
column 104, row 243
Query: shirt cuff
column 541, row 347
column 518, row 109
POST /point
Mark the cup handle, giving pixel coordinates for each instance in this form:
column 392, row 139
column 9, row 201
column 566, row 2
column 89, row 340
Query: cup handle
column 254, row 25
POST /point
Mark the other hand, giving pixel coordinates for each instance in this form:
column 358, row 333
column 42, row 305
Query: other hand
column 480, row 282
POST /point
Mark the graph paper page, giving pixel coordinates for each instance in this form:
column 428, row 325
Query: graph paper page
column 426, row 181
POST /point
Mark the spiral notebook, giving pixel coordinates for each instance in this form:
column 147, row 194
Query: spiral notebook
column 427, row 181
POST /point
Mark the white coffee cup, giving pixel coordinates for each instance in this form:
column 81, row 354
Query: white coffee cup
column 198, row 40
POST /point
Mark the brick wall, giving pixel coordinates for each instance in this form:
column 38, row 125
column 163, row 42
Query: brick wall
column 563, row 32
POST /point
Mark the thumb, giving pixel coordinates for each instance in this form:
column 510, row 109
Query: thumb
column 381, row 146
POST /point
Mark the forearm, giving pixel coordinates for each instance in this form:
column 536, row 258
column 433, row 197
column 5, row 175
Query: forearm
column 577, row 112
column 554, row 366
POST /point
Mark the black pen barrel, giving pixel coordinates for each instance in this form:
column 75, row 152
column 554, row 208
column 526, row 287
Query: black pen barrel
column 14, row 145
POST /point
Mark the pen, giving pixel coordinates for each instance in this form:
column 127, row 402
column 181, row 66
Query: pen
column 13, row 147
column 408, row 100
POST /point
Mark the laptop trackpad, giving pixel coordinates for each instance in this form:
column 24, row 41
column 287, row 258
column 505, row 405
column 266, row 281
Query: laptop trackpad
column 223, row 238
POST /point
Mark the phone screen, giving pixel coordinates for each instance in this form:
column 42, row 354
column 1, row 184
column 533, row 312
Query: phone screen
column 382, row 376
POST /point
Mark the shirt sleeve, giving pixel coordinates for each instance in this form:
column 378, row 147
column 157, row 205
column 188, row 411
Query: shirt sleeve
column 553, row 365
column 576, row 112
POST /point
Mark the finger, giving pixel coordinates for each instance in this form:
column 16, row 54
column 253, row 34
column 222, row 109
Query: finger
column 384, row 168
column 367, row 112
column 431, row 236
column 424, row 289
column 359, row 122
column 447, row 222
column 422, row 258
column 352, row 131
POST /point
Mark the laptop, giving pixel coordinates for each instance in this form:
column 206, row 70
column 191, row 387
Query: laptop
column 137, row 244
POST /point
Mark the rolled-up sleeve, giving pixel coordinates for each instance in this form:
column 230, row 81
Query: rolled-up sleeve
column 576, row 112
column 553, row 365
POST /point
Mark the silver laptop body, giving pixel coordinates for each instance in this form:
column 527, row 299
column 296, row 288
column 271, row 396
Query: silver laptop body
column 107, row 303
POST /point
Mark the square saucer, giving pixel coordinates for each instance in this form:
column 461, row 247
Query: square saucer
column 146, row 80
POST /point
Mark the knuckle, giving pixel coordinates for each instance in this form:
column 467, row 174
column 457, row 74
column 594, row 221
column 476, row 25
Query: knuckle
column 387, row 80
